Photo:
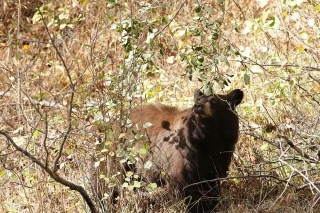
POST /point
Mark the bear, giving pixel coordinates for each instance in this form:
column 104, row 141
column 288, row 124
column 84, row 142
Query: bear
column 188, row 149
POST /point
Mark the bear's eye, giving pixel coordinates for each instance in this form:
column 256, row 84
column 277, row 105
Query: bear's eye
column 213, row 99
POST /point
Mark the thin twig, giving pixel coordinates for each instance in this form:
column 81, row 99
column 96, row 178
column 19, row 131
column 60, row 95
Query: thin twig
column 243, row 177
column 45, row 137
column 72, row 87
column 251, row 62
column 160, row 31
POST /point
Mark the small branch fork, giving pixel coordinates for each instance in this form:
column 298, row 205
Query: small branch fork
column 297, row 149
column 161, row 31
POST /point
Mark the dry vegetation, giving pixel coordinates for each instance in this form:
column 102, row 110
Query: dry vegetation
column 72, row 69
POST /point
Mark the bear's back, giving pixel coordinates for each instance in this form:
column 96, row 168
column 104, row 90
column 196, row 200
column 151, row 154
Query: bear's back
column 161, row 117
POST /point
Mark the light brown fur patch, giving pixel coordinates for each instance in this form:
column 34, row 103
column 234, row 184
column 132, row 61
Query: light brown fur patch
column 207, row 110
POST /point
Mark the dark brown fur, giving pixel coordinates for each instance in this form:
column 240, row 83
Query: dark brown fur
column 190, row 146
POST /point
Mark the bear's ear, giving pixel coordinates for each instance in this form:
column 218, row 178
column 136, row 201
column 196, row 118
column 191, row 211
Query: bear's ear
column 197, row 94
column 235, row 97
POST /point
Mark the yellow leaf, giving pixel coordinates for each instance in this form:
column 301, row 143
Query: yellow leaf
column 316, row 88
column 26, row 47
column 299, row 48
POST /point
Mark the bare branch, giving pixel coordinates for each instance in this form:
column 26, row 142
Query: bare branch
column 297, row 149
column 72, row 87
column 52, row 173
column 307, row 185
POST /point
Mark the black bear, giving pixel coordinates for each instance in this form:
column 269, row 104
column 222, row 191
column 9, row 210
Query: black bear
column 189, row 148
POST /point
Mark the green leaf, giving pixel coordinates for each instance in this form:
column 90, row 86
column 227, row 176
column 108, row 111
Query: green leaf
column 153, row 185
column 164, row 20
column 236, row 180
column 234, row 51
column 63, row 16
column 18, row 55
column 207, row 90
column 129, row 173
column 143, row 151
column 224, row 59
column 264, row 147
column 198, row 9
column 246, row 79
column 111, row 3
column 198, row 48
column 162, row 51
column 137, row 184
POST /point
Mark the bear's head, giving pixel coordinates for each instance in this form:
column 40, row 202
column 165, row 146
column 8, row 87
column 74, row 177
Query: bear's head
column 213, row 105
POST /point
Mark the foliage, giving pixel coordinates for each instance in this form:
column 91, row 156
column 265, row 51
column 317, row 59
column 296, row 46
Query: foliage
column 72, row 70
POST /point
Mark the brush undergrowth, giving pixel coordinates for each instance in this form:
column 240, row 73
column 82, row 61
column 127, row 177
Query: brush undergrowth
column 72, row 70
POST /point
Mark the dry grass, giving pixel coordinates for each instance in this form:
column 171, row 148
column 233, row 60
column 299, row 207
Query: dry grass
column 276, row 164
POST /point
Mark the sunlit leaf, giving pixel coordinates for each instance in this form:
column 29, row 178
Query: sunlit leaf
column 147, row 165
column 26, row 47
column 137, row 184
column 36, row 133
column 236, row 180
column 143, row 151
column 170, row 60
column 129, row 173
column 153, row 185
column 264, row 147
column 2, row 173
column 96, row 164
